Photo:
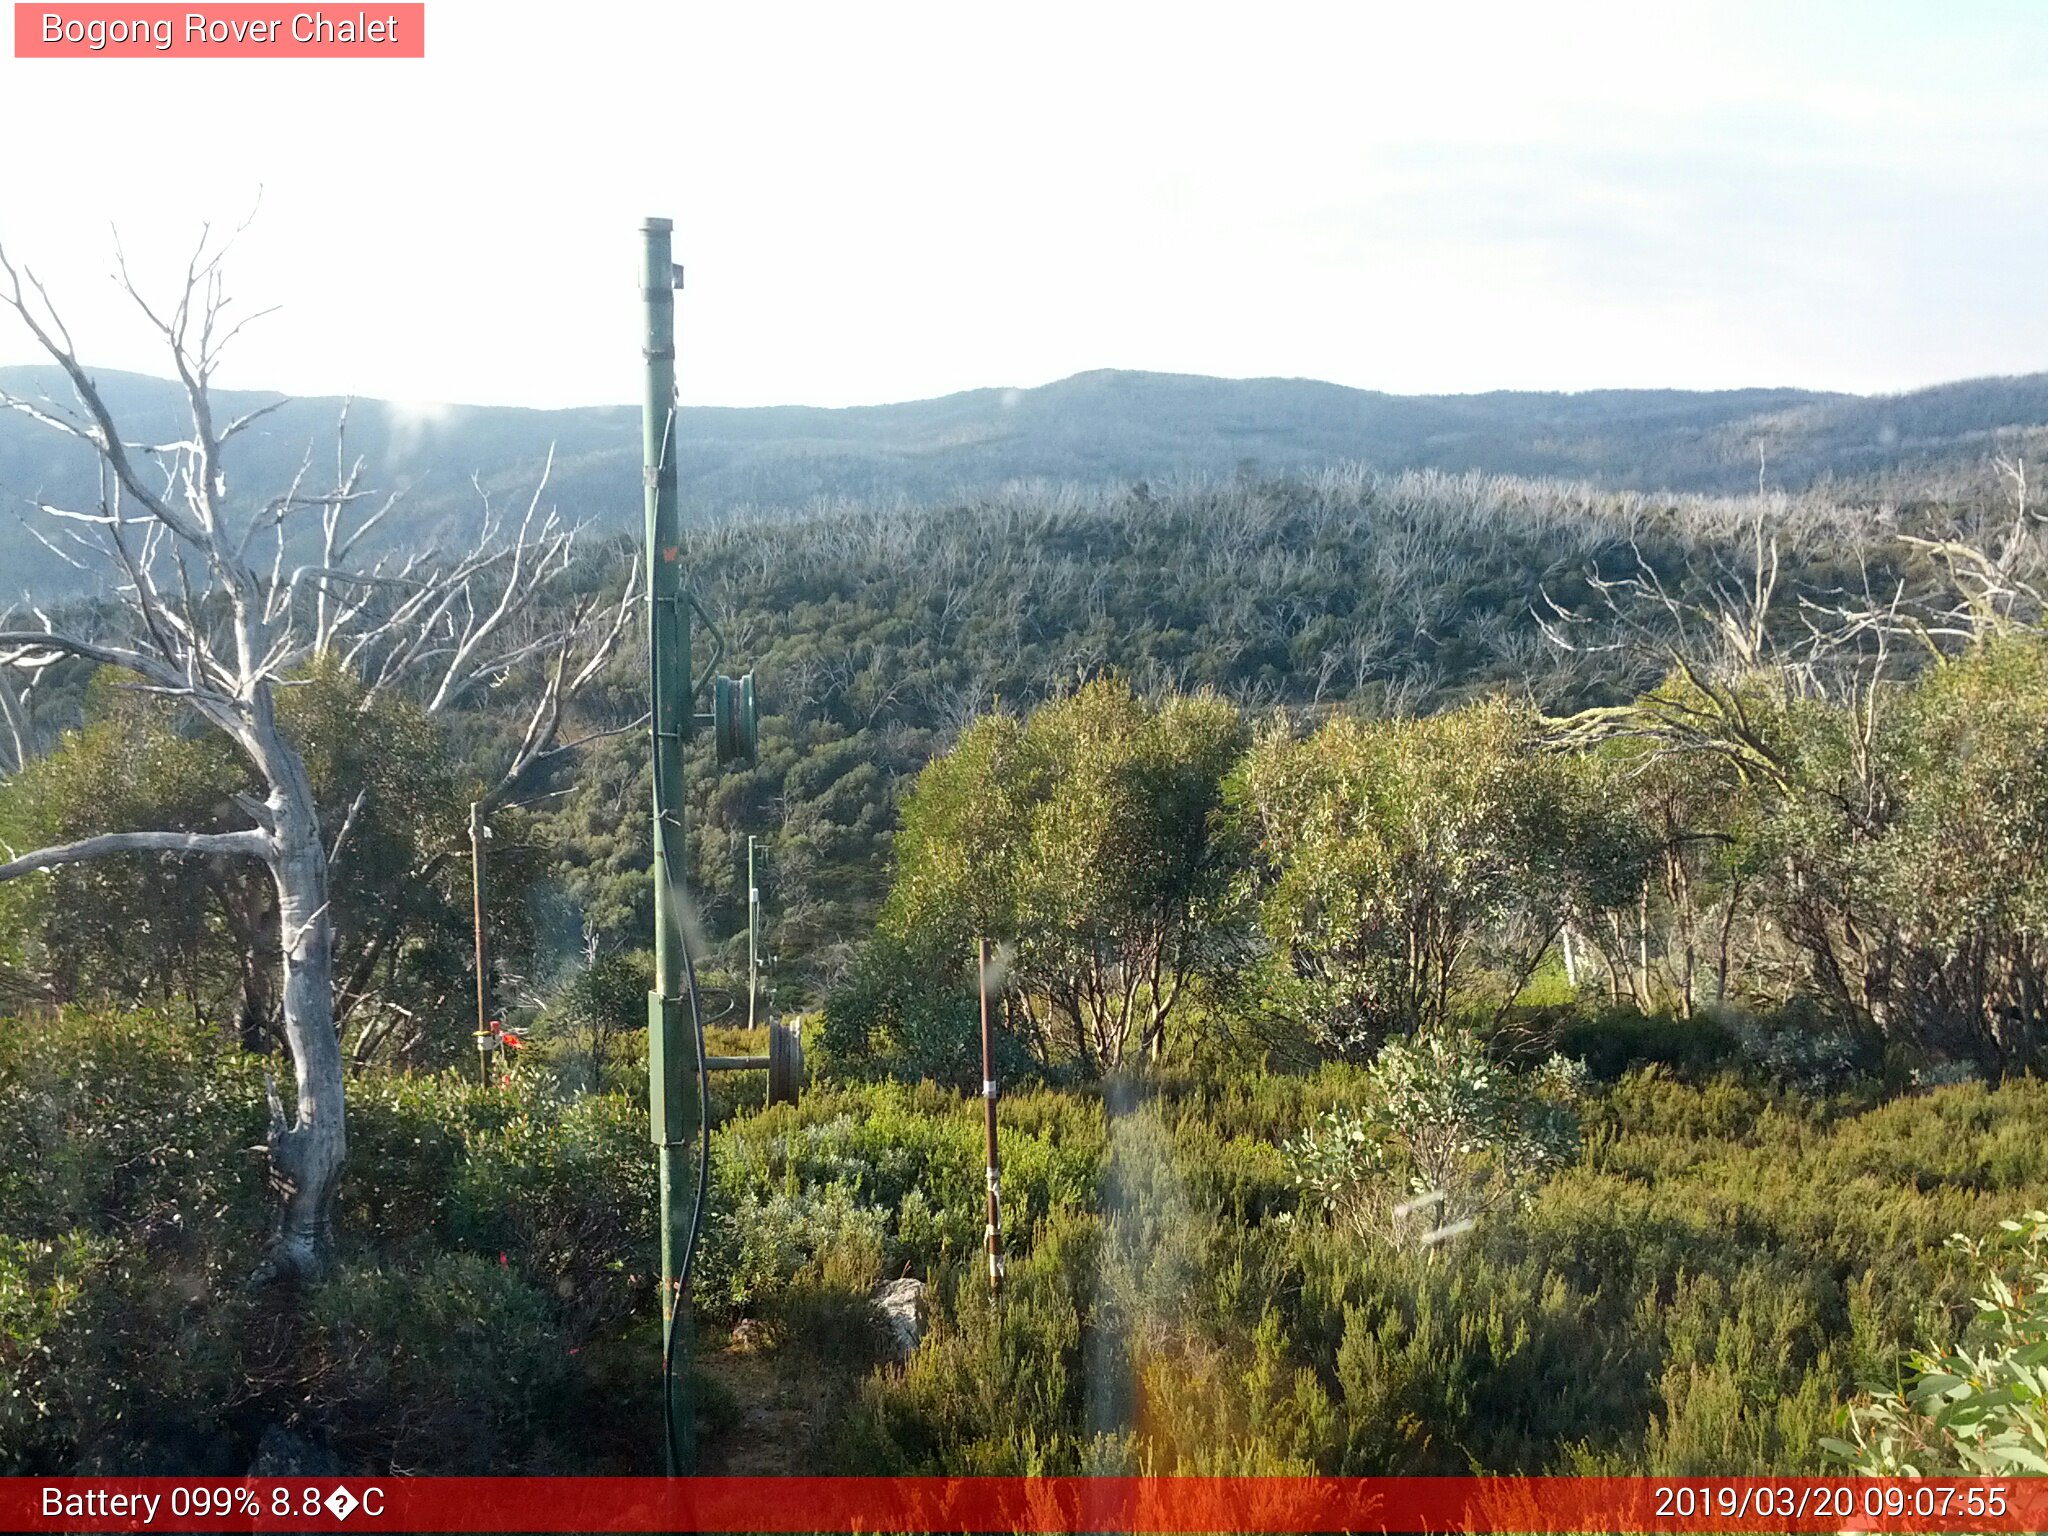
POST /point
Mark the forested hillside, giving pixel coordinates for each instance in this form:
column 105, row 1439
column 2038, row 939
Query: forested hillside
column 1496, row 975
column 879, row 632
column 1094, row 430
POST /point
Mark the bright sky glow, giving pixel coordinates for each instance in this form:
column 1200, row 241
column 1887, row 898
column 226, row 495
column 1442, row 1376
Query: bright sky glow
column 890, row 201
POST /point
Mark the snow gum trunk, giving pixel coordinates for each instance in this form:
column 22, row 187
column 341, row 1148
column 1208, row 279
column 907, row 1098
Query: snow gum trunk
column 306, row 1150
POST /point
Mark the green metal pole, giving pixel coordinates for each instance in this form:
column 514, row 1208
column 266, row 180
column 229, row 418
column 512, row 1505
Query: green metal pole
column 671, row 1047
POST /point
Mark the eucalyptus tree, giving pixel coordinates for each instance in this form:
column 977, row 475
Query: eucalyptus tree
column 1412, row 872
column 1085, row 838
column 221, row 601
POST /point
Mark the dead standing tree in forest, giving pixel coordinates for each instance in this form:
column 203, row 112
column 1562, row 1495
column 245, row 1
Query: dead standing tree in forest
column 1880, row 750
column 214, row 614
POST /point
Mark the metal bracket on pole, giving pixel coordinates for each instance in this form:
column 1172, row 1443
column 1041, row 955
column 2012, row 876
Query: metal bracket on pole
column 671, row 1066
column 717, row 647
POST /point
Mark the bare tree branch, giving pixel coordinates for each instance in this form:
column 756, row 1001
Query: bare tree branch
column 248, row 844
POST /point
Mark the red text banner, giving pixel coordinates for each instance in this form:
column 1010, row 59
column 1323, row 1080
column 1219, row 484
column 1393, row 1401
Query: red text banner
column 876, row 1504
column 224, row 31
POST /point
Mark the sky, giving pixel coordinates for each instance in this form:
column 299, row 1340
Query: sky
column 884, row 201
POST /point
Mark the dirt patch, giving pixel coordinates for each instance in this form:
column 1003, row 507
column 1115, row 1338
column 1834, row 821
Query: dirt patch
column 784, row 1406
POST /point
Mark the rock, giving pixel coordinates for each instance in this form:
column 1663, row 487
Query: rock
column 901, row 1303
column 280, row 1453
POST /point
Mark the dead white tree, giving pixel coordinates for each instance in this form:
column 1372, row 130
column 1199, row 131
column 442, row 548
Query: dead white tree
column 16, row 745
column 218, row 611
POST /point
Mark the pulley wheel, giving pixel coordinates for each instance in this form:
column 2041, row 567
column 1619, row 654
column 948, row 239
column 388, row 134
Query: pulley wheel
column 785, row 1062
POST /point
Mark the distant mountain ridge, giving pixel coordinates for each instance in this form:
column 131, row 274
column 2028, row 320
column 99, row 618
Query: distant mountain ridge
column 1102, row 427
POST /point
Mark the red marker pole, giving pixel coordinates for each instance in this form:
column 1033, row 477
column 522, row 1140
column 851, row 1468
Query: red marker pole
column 477, row 833
column 995, row 1165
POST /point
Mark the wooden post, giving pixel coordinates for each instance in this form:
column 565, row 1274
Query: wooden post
column 478, row 832
column 995, row 1166
column 753, row 939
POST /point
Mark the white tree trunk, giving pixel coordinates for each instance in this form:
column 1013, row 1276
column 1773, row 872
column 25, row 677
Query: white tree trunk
column 306, row 1152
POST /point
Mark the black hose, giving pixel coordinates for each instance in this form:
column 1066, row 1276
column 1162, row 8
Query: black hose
column 668, row 1339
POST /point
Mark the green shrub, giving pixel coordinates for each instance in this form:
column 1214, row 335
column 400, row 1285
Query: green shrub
column 49, row 1385
column 1613, row 1040
column 1342, row 1162
column 1977, row 1407
column 593, row 1028
column 993, row 1390
column 131, row 1124
column 570, row 1191
column 1460, row 1130
column 907, row 1014
column 1695, row 1292
column 449, row 1368
column 758, row 1246
column 1801, row 1048
column 131, row 1211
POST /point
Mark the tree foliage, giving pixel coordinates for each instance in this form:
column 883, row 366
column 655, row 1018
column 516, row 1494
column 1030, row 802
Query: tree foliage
column 1881, row 844
column 157, row 930
column 1441, row 1135
column 1085, row 841
column 1396, row 863
column 199, row 931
